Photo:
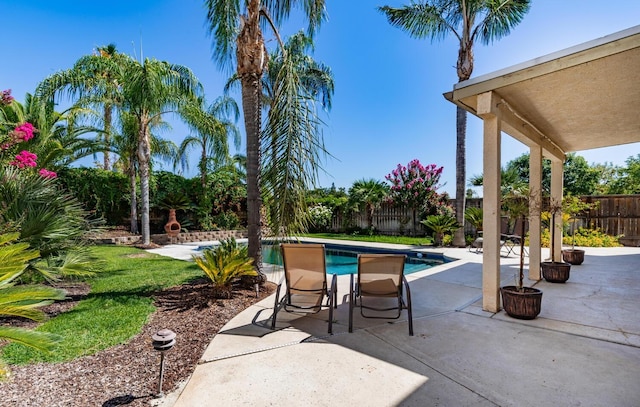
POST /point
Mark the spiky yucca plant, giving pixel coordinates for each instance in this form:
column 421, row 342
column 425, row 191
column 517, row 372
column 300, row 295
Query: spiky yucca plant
column 224, row 264
column 23, row 300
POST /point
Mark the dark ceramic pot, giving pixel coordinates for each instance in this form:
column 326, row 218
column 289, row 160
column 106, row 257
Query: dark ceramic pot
column 573, row 256
column 521, row 304
column 555, row 271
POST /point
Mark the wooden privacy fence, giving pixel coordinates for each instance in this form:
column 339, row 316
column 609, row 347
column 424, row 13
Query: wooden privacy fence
column 615, row 215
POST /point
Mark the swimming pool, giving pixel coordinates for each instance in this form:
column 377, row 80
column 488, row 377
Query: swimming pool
column 344, row 259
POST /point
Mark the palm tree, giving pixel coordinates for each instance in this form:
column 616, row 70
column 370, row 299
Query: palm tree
column 296, row 87
column 150, row 89
column 58, row 142
column 125, row 146
column 468, row 21
column 238, row 41
column 96, row 80
column 212, row 129
column 369, row 193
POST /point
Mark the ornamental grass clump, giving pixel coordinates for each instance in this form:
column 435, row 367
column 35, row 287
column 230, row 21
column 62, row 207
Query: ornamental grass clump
column 224, row 264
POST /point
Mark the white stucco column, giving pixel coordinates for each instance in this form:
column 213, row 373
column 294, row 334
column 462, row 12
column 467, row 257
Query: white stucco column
column 490, row 206
column 556, row 200
column 535, row 205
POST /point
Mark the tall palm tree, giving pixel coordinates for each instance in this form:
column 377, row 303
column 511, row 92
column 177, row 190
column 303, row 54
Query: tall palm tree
column 124, row 145
column 96, row 80
column 212, row 129
column 150, row 89
column 239, row 43
column 368, row 193
column 468, row 21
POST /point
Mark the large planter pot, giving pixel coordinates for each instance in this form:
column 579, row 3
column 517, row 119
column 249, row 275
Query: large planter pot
column 555, row 271
column 573, row 256
column 521, row 304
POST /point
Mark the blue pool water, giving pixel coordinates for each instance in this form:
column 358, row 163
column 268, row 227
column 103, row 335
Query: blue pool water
column 343, row 259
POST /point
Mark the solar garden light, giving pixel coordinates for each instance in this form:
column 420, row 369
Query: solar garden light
column 163, row 341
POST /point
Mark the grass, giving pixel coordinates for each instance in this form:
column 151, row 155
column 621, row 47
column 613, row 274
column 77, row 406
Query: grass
column 408, row 240
column 115, row 310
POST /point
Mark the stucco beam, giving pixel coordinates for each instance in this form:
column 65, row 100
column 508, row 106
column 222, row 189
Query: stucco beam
column 514, row 124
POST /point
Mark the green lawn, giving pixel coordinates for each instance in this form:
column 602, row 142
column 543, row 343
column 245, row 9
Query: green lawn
column 116, row 309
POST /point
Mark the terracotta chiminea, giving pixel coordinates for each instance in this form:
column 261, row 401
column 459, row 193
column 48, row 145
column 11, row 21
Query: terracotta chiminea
column 172, row 227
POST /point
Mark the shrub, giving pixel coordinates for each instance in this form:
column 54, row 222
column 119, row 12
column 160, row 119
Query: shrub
column 224, row 264
column 584, row 237
column 441, row 225
column 320, row 217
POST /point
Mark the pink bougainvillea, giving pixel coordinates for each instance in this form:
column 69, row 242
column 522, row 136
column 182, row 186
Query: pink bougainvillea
column 24, row 132
column 47, row 174
column 24, row 159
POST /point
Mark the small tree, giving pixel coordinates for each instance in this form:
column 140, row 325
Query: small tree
column 368, row 193
column 415, row 187
column 573, row 206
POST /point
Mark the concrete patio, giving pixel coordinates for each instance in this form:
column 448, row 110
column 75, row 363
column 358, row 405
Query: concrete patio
column 583, row 349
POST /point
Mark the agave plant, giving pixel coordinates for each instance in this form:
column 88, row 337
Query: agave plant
column 224, row 264
column 23, row 300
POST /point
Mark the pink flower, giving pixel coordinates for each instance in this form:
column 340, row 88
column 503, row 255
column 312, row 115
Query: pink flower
column 47, row 174
column 24, row 132
column 5, row 97
column 25, row 159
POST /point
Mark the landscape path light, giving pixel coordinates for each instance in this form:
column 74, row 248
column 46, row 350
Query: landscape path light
column 163, row 341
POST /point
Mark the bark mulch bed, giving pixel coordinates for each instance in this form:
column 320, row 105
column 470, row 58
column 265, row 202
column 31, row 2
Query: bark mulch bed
column 127, row 374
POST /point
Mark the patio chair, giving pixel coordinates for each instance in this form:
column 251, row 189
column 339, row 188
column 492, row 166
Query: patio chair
column 305, row 277
column 380, row 279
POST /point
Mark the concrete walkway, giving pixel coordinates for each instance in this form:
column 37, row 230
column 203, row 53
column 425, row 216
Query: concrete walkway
column 582, row 350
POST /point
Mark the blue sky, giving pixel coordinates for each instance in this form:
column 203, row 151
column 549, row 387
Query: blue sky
column 388, row 107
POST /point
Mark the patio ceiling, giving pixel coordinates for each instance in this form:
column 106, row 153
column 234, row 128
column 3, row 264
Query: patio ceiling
column 581, row 98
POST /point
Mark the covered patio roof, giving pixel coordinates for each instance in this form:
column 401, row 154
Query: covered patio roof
column 580, row 98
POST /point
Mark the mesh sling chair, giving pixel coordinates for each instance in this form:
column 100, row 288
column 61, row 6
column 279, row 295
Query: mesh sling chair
column 380, row 276
column 305, row 277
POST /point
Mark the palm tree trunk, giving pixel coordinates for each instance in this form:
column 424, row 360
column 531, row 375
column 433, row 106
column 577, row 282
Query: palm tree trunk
column 134, row 199
column 251, row 59
column 107, row 136
column 144, row 156
column 461, row 130
column 251, row 108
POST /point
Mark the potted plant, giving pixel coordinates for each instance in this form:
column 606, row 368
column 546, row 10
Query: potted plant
column 519, row 301
column 573, row 206
column 554, row 271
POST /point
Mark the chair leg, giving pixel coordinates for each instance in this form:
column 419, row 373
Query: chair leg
column 351, row 303
column 276, row 307
column 409, row 310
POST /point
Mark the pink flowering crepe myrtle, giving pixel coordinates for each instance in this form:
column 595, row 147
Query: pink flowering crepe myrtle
column 415, row 185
